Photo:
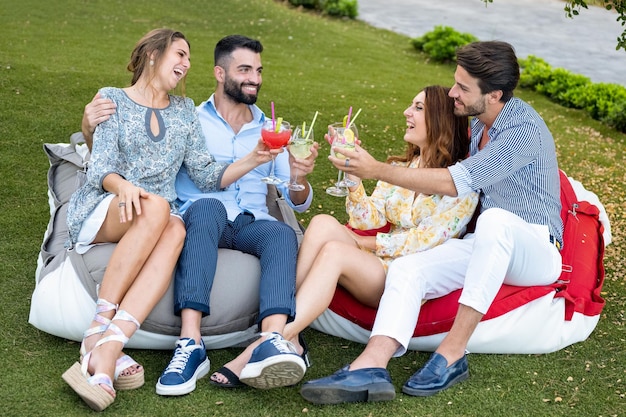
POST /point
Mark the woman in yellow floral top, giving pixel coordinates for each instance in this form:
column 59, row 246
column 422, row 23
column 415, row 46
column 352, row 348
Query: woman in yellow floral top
column 333, row 254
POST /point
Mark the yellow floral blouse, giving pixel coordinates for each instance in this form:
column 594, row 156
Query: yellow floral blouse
column 418, row 221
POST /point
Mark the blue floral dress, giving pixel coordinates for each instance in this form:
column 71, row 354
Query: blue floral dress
column 125, row 145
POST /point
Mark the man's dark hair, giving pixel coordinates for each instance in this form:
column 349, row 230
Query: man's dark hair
column 228, row 44
column 493, row 63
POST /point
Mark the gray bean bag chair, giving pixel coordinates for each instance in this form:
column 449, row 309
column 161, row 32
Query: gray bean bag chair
column 63, row 301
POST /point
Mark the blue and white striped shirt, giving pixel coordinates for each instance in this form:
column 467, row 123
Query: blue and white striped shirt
column 517, row 170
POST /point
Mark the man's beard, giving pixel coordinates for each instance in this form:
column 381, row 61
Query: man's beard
column 475, row 109
column 235, row 92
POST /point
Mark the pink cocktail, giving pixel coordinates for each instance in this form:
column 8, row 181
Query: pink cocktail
column 275, row 135
column 276, row 140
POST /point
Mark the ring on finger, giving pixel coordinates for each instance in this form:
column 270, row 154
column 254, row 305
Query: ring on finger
column 347, row 162
column 122, row 204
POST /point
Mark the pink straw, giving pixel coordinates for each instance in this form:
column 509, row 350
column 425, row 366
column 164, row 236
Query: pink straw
column 349, row 115
column 273, row 117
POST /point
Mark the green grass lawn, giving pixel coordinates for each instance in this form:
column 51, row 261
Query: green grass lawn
column 54, row 56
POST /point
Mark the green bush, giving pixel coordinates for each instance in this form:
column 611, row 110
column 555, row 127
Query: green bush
column 338, row 8
column 442, row 42
column 309, row 4
column 559, row 84
column 342, row 8
column 604, row 102
column 562, row 85
column 616, row 115
column 535, row 72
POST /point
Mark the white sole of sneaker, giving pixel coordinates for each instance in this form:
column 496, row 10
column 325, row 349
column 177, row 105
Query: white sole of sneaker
column 187, row 387
column 276, row 371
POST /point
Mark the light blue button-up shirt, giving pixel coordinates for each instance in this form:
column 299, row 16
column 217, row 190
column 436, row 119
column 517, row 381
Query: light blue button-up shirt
column 249, row 192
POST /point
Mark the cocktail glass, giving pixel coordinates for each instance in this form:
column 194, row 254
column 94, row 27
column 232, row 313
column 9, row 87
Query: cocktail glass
column 275, row 135
column 341, row 137
column 300, row 147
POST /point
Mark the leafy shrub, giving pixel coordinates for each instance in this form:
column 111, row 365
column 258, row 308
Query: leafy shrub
column 442, row 42
column 616, row 116
column 535, row 71
column 561, row 84
column 339, row 8
column 602, row 101
column 309, row 4
column 343, row 8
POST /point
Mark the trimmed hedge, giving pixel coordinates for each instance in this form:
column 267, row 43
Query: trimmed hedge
column 339, row 8
column 603, row 101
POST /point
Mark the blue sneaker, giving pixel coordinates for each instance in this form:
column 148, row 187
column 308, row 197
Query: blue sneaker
column 188, row 364
column 274, row 363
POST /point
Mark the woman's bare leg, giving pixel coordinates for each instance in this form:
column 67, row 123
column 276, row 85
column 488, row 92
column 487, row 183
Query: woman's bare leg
column 143, row 293
column 131, row 251
column 322, row 229
column 135, row 243
column 359, row 272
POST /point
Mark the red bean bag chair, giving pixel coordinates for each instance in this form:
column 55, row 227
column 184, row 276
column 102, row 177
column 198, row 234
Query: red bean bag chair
column 537, row 319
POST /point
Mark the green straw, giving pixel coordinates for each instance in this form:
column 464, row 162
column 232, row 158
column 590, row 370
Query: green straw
column 311, row 127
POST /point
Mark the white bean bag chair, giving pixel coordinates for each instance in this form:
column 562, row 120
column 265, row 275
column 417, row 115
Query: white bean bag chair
column 65, row 294
column 525, row 320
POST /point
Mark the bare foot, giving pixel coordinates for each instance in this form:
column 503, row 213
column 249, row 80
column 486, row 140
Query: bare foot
column 131, row 370
column 237, row 364
column 99, row 363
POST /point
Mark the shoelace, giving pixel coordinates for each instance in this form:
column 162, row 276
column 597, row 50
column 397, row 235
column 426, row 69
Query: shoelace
column 181, row 356
column 282, row 345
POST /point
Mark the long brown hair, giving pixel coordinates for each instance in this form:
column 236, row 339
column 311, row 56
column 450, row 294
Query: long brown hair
column 448, row 136
column 154, row 43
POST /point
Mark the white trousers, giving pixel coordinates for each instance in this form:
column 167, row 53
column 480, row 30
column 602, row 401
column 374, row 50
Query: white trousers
column 504, row 249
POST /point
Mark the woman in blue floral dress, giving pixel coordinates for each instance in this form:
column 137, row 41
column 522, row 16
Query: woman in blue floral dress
column 129, row 199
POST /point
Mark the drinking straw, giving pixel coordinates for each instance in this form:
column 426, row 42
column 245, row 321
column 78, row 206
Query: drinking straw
column 349, row 115
column 354, row 118
column 273, row 117
column 311, row 127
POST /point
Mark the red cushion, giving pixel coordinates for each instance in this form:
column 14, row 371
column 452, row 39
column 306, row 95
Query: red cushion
column 579, row 284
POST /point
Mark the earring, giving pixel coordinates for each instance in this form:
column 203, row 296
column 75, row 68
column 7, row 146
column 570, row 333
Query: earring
column 151, row 62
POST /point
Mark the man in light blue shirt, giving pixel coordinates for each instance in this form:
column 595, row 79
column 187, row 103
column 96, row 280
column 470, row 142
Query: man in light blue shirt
column 249, row 192
column 236, row 218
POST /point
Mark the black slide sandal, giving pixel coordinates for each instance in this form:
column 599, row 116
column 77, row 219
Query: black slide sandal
column 233, row 380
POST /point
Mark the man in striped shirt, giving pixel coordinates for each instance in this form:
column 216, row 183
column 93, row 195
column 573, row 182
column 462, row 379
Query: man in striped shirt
column 517, row 239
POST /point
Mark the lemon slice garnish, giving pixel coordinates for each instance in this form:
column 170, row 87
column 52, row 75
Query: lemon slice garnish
column 349, row 136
